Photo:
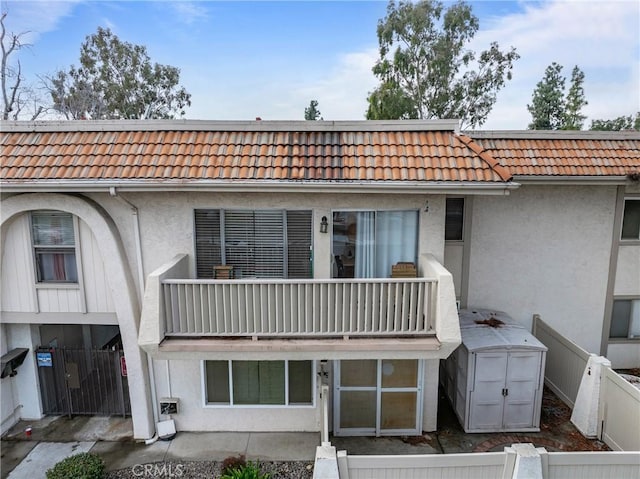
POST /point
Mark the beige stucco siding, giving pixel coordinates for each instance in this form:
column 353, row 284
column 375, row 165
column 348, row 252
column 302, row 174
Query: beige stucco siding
column 545, row 250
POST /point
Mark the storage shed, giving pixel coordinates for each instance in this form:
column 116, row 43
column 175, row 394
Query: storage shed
column 494, row 379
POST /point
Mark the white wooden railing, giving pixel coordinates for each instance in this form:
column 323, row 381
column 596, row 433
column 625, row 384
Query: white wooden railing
column 290, row 308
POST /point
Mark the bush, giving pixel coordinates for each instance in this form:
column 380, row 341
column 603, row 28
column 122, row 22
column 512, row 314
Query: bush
column 80, row 466
column 233, row 462
column 248, row 471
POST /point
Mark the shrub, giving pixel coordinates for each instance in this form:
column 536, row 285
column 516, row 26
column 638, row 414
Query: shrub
column 233, row 462
column 248, row 471
column 80, row 466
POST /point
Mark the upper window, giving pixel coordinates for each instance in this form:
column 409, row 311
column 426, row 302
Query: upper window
column 257, row 383
column 54, row 247
column 454, row 219
column 257, row 244
column 631, row 220
column 366, row 244
column 625, row 319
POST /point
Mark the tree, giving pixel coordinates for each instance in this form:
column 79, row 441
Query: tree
column 550, row 109
column 116, row 80
column 630, row 122
column 573, row 117
column 16, row 95
column 425, row 69
column 312, row 112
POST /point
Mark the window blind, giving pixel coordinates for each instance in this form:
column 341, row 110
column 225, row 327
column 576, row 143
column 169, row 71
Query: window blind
column 260, row 243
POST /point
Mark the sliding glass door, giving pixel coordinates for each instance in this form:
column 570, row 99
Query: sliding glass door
column 367, row 243
column 378, row 397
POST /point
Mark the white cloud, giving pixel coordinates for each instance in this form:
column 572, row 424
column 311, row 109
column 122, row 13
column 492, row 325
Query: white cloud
column 188, row 12
column 35, row 16
column 283, row 95
column 600, row 37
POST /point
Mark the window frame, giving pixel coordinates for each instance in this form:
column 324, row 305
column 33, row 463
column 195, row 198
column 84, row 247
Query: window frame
column 38, row 249
column 627, row 241
column 375, row 211
column 287, row 251
column 463, row 225
column 613, row 340
column 231, row 405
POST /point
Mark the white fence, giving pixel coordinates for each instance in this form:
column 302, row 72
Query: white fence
column 533, row 462
column 565, row 364
column 377, row 307
column 618, row 403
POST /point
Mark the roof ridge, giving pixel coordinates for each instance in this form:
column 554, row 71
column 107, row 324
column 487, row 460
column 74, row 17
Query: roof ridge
column 502, row 171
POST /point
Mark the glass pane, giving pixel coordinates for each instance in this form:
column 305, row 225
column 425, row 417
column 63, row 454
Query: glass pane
column 399, row 373
column 398, row 410
column 52, row 228
column 217, row 375
column 57, row 265
column 208, row 244
column 620, row 319
column 396, row 240
column 454, row 219
column 359, row 373
column 358, row 409
column 300, row 382
column 299, row 224
column 631, row 220
column 258, row 382
column 344, row 244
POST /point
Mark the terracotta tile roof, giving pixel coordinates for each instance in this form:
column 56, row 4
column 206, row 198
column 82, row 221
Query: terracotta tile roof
column 329, row 154
column 565, row 154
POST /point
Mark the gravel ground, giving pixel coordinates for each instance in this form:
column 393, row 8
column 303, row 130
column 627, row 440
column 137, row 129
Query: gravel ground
column 209, row 470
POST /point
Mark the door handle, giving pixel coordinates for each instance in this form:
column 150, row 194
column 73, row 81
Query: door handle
column 505, row 392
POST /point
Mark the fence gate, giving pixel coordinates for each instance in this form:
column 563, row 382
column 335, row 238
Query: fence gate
column 78, row 381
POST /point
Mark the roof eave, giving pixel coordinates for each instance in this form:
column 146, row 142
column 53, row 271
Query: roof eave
column 404, row 187
column 217, row 125
column 570, row 180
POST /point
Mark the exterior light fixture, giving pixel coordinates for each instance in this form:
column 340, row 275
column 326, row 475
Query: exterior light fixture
column 324, row 225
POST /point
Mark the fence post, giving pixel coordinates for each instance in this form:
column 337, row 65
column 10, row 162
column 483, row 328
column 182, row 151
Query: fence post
column 585, row 411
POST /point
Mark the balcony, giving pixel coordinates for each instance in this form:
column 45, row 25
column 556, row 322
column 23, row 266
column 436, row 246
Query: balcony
column 276, row 315
column 298, row 308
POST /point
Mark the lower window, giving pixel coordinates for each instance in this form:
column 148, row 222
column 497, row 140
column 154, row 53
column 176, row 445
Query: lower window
column 257, row 383
column 625, row 319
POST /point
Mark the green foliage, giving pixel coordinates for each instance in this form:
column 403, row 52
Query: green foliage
column 233, row 462
column 248, row 471
column 630, row 122
column 80, row 466
column 312, row 112
column 425, row 69
column 550, row 109
column 116, row 80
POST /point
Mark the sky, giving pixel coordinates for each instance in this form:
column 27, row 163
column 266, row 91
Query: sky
column 246, row 59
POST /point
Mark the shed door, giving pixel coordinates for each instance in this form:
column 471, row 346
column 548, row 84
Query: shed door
column 522, row 381
column 486, row 400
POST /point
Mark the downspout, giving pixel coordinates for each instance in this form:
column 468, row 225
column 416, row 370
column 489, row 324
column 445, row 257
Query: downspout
column 141, row 282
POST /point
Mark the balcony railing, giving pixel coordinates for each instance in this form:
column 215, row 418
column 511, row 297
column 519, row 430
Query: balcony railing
column 299, row 308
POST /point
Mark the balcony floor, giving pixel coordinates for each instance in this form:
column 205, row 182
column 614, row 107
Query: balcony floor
column 426, row 347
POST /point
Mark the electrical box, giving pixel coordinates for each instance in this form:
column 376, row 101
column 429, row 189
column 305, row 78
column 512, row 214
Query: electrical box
column 169, row 406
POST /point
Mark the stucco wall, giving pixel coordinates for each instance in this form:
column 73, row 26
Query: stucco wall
column 545, row 250
column 185, row 377
column 166, row 220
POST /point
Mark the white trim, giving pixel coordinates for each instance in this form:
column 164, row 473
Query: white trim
column 263, row 186
column 226, row 125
